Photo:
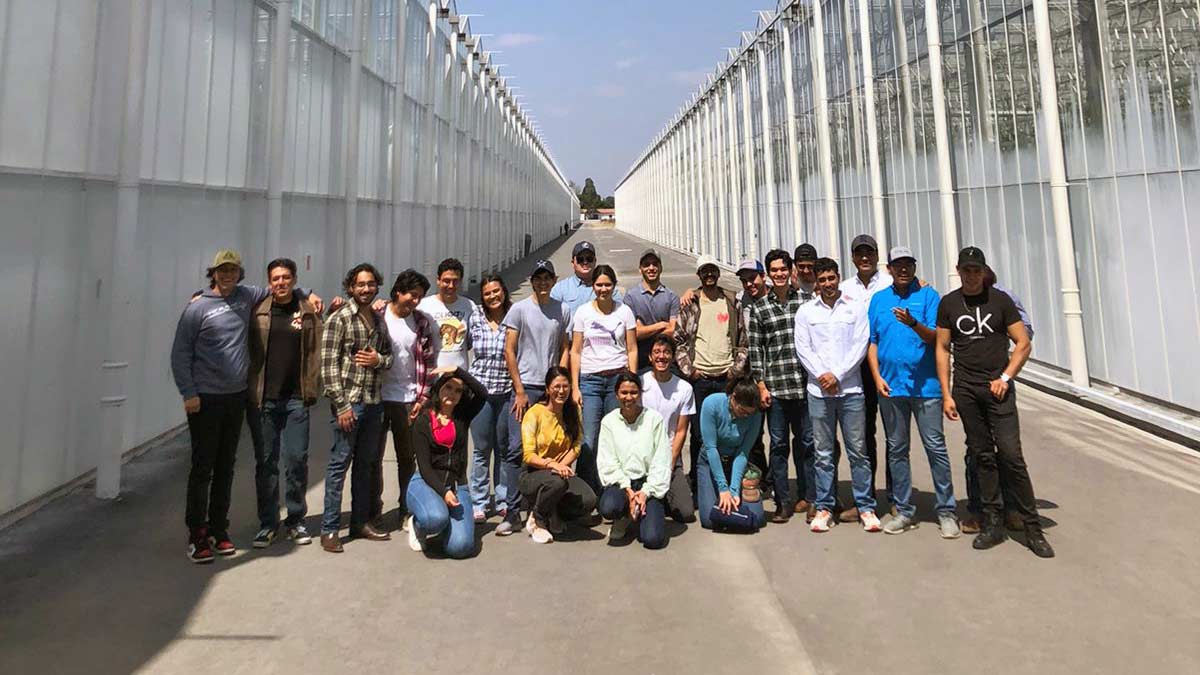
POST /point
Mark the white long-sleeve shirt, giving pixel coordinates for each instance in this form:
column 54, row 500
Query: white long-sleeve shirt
column 832, row 340
column 627, row 452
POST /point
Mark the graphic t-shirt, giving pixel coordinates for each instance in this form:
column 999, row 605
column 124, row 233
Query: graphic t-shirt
column 669, row 399
column 603, row 337
column 452, row 324
column 978, row 333
column 714, row 352
column 281, row 373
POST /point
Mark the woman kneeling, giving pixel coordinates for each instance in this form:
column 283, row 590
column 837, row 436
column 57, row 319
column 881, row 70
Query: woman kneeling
column 438, row 494
column 634, row 463
column 550, row 440
column 729, row 423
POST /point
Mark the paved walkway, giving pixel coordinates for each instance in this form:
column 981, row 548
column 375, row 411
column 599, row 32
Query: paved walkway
column 105, row 588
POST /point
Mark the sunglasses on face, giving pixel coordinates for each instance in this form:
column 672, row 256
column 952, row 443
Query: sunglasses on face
column 585, row 259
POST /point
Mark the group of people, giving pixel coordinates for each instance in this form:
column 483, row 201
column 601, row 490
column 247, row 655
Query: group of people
column 579, row 399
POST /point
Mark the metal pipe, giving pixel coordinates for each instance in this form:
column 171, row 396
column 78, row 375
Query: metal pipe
column 768, row 151
column 789, row 92
column 824, row 146
column 277, row 123
column 350, row 166
column 748, row 162
column 399, row 122
column 1065, row 244
column 735, row 217
column 878, row 213
column 121, row 310
column 942, row 139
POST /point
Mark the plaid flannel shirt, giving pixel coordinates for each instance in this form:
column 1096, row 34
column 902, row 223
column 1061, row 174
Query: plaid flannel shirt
column 773, row 359
column 489, row 366
column 426, row 356
column 345, row 334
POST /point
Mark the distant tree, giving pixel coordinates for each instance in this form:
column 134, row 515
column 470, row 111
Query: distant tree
column 609, row 202
column 574, row 187
column 589, row 198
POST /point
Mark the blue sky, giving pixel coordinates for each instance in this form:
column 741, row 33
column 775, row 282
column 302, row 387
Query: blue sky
column 603, row 76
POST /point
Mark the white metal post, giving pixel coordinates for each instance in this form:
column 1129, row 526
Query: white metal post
column 121, row 311
column 942, row 138
column 350, row 153
column 1063, row 238
column 277, row 123
column 824, row 146
column 748, row 161
column 719, row 175
column 427, row 170
column 878, row 215
column 399, row 128
column 768, row 150
column 789, row 92
column 735, row 191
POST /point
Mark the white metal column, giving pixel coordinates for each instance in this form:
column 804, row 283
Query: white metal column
column 277, row 123
column 878, row 214
column 350, row 166
column 942, row 138
column 748, row 161
column 735, row 216
column 789, row 92
column 824, row 146
column 773, row 237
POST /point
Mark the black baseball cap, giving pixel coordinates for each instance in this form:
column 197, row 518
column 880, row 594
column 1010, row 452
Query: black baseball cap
column 649, row 253
column 542, row 266
column 805, row 252
column 581, row 247
column 971, row 255
column 864, row 240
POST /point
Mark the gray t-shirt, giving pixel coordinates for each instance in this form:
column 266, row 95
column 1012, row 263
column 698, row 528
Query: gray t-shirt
column 540, row 332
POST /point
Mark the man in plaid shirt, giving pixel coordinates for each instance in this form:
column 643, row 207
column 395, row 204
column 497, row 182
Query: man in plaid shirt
column 355, row 349
column 776, row 368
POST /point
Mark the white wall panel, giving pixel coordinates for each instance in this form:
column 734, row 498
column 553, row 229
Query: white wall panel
column 71, row 86
column 26, row 64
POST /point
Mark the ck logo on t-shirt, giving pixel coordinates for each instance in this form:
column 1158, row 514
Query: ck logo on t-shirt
column 977, row 324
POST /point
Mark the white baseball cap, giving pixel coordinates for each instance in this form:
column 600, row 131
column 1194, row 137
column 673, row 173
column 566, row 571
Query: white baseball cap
column 704, row 261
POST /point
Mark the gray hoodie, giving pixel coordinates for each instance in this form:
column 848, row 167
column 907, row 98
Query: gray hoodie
column 210, row 353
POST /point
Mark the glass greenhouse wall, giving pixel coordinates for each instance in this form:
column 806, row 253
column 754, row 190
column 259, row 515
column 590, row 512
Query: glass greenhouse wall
column 831, row 128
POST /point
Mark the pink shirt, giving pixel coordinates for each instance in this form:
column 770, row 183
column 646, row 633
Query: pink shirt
column 443, row 434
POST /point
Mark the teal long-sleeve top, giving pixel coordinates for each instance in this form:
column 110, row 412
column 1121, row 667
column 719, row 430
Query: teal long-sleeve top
column 727, row 436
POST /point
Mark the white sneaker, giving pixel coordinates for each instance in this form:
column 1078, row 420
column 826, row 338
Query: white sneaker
column 870, row 521
column 948, row 524
column 822, row 521
column 541, row 535
column 414, row 540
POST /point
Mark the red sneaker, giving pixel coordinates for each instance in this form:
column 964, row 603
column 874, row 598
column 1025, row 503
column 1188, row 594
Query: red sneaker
column 223, row 544
column 199, row 549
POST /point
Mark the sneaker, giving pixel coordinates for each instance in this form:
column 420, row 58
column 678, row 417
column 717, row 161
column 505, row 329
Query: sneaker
column 619, row 531
column 1036, row 541
column 540, row 535
column 507, row 526
column 222, row 544
column 870, row 521
column 850, row 515
column 480, row 516
column 199, row 548
column 899, row 525
column 264, row 537
column 948, row 524
column 415, row 542
column 822, row 521
column 299, row 534
column 993, row 533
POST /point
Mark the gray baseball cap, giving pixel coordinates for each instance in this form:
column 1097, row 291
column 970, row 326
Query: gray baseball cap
column 899, row 253
column 864, row 240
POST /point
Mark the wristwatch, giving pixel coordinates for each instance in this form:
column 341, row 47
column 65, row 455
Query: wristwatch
column 1004, row 378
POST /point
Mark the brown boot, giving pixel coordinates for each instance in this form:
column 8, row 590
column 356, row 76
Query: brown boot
column 332, row 543
column 802, row 506
column 970, row 524
column 812, row 513
column 850, row 515
column 369, row 533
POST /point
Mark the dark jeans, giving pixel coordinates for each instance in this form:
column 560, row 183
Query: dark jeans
column 973, row 504
column 994, row 445
column 546, row 492
column 785, row 420
column 280, row 425
column 652, row 526
column 214, row 430
column 701, row 388
column 512, row 466
column 358, row 451
column 395, row 418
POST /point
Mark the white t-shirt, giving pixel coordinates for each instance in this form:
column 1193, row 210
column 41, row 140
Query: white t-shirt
column 603, row 337
column 400, row 381
column 669, row 399
column 452, row 324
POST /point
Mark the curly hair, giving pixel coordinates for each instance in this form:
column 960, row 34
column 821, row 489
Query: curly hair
column 348, row 282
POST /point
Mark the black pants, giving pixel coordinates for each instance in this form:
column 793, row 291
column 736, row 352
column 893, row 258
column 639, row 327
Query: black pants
column 994, row 446
column 214, row 430
column 395, row 417
column 701, row 388
column 544, row 492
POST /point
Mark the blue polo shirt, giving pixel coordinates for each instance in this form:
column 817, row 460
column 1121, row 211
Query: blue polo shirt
column 906, row 363
column 573, row 293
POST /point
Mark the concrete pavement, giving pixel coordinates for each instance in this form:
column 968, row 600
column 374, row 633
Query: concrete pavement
column 96, row 587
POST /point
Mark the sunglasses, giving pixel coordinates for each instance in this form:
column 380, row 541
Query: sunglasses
column 585, row 259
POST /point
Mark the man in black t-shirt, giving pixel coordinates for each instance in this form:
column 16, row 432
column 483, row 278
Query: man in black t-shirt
column 976, row 323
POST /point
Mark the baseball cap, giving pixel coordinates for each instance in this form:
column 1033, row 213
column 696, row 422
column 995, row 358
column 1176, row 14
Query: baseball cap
column 225, row 257
column 750, row 265
column 704, row 261
column 899, row 253
column 806, row 252
column 864, row 240
column 649, row 253
column 971, row 256
column 542, row 265
column 581, row 247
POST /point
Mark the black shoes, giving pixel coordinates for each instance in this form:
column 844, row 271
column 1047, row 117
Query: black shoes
column 1036, row 541
column 992, row 534
column 782, row 514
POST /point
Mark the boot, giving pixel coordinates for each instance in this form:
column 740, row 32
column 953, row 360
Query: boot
column 1036, row 541
column 992, row 534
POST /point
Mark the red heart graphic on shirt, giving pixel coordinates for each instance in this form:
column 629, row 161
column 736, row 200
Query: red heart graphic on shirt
column 722, row 317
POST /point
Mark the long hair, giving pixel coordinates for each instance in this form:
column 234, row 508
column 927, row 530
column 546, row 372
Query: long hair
column 348, row 282
column 488, row 278
column 435, row 392
column 570, row 414
column 744, row 392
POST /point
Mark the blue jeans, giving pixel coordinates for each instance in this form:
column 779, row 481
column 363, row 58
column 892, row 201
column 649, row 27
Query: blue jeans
column 512, row 461
column 652, row 526
column 358, row 451
column 706, row 499
column 782, row 416
column 280, row 424
column 599, row 399
column 897, row 414
column 849, row 412
column 431, row 517
column 489, row 431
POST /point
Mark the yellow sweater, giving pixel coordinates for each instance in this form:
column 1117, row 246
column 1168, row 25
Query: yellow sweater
column 542, row 435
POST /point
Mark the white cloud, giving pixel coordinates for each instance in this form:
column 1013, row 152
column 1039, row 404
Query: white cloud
column 510, row 40
column 609, row 90
column 626, row 64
